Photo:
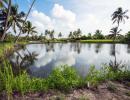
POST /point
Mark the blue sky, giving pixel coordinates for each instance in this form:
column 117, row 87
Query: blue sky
column 68, row 15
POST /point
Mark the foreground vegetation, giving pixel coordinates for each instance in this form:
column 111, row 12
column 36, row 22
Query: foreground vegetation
column 64, row 78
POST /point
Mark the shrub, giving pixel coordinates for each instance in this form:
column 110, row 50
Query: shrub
column 64, row 78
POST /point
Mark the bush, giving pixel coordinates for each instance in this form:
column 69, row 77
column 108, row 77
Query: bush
column 64, row 78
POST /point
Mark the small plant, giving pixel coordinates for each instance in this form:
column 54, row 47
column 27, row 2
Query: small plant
column 92, row 78
column 128, row 93
column 84, row 98
column 64, row 78
column 111, row 87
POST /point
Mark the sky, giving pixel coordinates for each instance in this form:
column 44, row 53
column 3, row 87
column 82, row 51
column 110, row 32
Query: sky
column 68, row 15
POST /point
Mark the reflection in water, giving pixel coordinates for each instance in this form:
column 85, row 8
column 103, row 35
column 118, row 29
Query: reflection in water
column 112, row 50
column 40, row 59
column 128, row 48
column 22, row 61
column 50, row 47
column 98, row 47
column 76, row 47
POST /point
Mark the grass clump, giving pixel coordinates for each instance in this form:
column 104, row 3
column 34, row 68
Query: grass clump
column 64, row 78
column 5, row 47
column 111, row 87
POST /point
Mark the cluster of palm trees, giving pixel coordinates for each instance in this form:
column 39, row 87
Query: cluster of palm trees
column 10, row 17
column 118, row 17
column 76, row 34
column 49, row 34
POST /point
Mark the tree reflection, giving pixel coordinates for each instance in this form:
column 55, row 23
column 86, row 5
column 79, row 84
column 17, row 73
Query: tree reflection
column 112, row 50
column 49, row 47
column 76, row 47
column 60, row 45
column 23, row 61
column 114, row 65
column 128, row 48
column 98, row 47
column 89, row 46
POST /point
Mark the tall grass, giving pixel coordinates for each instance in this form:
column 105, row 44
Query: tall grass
column 64, row 78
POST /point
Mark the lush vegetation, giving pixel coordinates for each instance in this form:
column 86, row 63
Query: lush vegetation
column 4, row 48
column 63, row 78
column 12, row 18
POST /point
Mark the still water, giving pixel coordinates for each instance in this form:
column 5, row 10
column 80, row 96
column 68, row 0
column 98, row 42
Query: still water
column 40, row 59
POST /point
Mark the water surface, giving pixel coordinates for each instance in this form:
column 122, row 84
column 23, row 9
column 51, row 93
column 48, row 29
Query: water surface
column 40, row 59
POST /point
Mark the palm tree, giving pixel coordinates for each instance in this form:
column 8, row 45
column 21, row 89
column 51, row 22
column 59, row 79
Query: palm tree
column 70, row 35
column 7, row 17
column 25, row 20
column 115, row 31
column 51, row 33
column 78, row 33
column 29, row 29
column 119, row 15
column 60, row 35
column 3, row 3
column 16, row 18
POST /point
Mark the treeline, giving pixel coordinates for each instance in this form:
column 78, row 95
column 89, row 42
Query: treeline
column 12, row 18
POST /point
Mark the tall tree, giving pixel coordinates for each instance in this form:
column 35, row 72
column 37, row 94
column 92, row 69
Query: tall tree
column 115, row 30
column 25, row 21
column 119, row 15
column 98, row 35
column 60, row 35
column 70, row 35
column 51, row 33
column 29, row 28
column 4, row 3
column 6, row 21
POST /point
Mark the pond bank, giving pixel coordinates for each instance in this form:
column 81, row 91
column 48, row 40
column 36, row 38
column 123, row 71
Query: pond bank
column 66, row 83
column 105, row 91
column 6, row 49
column 80, row 41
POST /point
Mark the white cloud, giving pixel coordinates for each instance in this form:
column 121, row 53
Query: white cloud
column 59, row 12
column 41, row 21
column 62, row 20
column 87, row 15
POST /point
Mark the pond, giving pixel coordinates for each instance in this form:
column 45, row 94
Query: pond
column 40, row 59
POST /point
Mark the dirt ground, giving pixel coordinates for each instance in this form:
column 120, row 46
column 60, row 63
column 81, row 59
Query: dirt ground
column 105, row 91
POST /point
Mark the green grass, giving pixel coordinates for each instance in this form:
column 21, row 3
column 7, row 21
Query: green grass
column 8, row 47
column 5, row 47
column 64, row 78
column 98, row 41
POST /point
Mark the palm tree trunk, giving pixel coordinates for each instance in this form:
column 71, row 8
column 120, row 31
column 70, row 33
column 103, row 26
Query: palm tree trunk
column 24, row 21
column 27, row 36
column 6, row 22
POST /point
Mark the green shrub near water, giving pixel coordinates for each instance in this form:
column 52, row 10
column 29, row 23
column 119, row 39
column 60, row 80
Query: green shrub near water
column 63, row 78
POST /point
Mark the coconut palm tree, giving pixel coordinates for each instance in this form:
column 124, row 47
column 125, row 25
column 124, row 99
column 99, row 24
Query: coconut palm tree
column 119, row 15
column 70, row 35
column 29, row 29
column 115, row 31
column 78, row 33
column 15, row 18
column 51, row 33
column 7, row 17
column 25, row 20
column 3, row 3
column 60, row 35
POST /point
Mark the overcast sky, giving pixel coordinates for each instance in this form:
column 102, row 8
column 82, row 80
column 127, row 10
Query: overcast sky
column 68, row 15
